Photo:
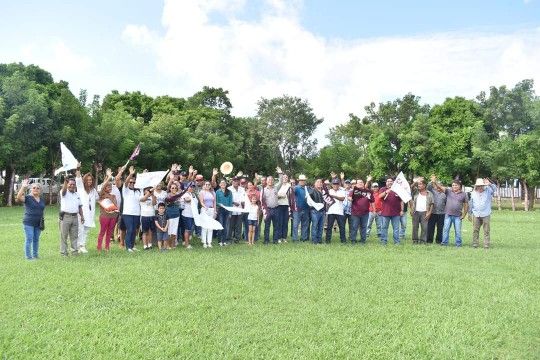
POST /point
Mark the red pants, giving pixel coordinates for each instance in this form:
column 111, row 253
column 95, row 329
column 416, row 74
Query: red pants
column 107, row 228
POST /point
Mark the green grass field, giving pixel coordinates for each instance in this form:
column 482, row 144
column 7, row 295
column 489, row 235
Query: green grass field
column 280, row 301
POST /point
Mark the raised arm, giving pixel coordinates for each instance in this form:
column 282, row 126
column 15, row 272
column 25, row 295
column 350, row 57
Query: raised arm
column 130, row 176
column 213, row 181
column 436, row 184
column 118, row 178
column 22, row 190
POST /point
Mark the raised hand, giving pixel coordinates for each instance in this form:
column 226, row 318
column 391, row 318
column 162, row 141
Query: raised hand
column 25, row 183
column 215, row 171
column 369, row 178
column 190, row 169
column 333, row 175
column 342, row 175
column 278, row 170
column 108, row 172
column 132, row 170
column 433, row 178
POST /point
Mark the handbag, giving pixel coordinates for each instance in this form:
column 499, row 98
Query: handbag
column 42, row 223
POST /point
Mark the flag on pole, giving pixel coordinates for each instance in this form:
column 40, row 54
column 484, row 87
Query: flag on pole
column 68, row 160
column 402, row 188
column 135, row 152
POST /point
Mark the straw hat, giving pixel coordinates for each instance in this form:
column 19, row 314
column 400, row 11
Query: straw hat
column 226, row 168
column 479, row 182
column 302, row 177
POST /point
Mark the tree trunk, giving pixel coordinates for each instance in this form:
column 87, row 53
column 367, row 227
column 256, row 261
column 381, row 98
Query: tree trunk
column 512, row 200
column 11, row 172
column 498, row 195
column 525, row 196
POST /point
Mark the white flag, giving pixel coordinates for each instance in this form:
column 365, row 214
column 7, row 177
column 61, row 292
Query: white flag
column 149, row 179
column 234, row 209
column 402, row 188
column 68, row 160
column 202, row 219
column 313, row 204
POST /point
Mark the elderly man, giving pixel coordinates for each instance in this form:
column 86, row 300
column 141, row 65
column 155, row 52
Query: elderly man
column 70, row 209
column 269, row 199
column 480, row 208
column 421, row 208
column 300, row 210
column 335, row 212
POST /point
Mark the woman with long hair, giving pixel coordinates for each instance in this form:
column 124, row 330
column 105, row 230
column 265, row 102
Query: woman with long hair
column 108, row 213
column 207, row 199
column 88, row 195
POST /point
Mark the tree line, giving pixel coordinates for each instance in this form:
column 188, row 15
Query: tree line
column 497, row 134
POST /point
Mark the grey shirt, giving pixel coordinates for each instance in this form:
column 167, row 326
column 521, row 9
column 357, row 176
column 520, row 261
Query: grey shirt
column 454, row 202
column 270, row 196
column 439, row 200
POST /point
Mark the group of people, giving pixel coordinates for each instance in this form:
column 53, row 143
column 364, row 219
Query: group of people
column 166, row 213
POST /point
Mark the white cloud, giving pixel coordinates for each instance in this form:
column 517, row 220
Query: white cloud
column 138, row 35
column 276, row 55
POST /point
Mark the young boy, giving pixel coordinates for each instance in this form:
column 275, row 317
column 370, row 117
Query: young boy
column 162, row 225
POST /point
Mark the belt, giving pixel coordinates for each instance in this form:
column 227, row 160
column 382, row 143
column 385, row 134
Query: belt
column 70, row 214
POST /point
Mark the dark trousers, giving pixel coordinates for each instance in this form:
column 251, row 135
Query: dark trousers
column 283, row 221
column 436, row 220
column 341, row 224
column 223, row 218
column 132, row 222
column 235, row 227
column 271, row 217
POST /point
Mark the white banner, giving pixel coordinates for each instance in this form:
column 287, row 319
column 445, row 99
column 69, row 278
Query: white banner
column 68, row 160
column 149, row 179
column 203, row 220
column 234, row 209
column 310, row 202
column 402, row 188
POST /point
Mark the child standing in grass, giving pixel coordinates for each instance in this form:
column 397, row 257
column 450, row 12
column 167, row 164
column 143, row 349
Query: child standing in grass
column 162, row 224
column 253, row 219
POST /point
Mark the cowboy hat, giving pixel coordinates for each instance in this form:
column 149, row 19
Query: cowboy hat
column 302, row 177
column 226, row 168
column 479, row 182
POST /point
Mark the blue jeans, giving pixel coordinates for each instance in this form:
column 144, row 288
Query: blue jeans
column 402, row 225
column 223, row 218
column 245, row 225
column 31, row 242
column 448, row 221
column 271, row 217
column 341, row 224
column 356, row 223
column 386, row 220
column 317, row 226
column 132, row 222
column 283, row 221
column 300, row 218
column 373, row 216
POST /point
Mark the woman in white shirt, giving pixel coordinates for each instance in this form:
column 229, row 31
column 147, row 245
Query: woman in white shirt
column 132, row 209
column 89, row 196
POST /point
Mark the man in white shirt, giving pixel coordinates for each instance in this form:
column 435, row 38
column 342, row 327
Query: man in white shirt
column 70, row 209
column 335, row 212
column 239, row 196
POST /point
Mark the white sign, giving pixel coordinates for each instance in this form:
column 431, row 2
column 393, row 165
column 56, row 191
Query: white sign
column 149, row 179
column 402, row 188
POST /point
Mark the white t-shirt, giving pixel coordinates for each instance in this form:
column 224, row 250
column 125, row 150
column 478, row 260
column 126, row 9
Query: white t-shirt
column 238, row 196
column 88, row 201
column 147, row 209
column 421, row 202
column 253, row 211
column 337, row 207
column 187, row 205
column 160, row 197
column 132, row 205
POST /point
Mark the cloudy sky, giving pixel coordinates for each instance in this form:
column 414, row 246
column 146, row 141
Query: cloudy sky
column 339, row 55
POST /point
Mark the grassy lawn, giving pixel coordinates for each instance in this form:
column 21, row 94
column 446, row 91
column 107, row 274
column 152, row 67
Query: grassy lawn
column 279, row 301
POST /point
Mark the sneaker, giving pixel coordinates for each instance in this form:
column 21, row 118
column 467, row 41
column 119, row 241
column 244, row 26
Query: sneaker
column 210, row 245
column 189, row 247
column 220, row 244
column 130, row 250
column 83, row 250
column 204, row 246
column 135, row 249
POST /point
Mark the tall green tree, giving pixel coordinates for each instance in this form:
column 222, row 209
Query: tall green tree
column 288, row 124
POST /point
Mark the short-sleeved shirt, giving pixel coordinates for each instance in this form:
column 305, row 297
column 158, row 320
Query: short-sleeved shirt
column 187, row 212
column 361, row 200
column 70, row 202
column 454, row 202
column 391, row 206
column 33, row 211
column 439, row 200
column 132, row 205
column 161, row 219
column 337, row 207
column 147, row 208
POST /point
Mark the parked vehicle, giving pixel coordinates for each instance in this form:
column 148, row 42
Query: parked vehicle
column 46, row 187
